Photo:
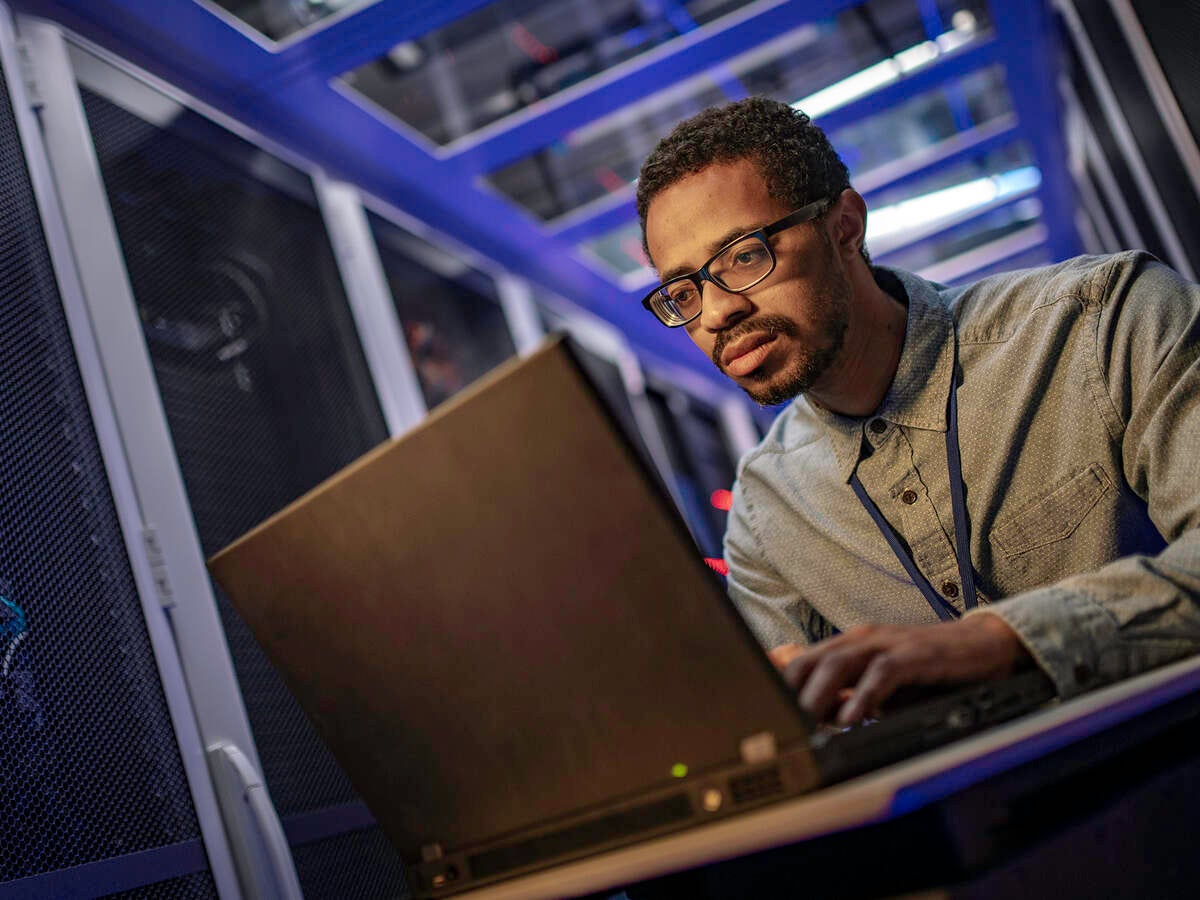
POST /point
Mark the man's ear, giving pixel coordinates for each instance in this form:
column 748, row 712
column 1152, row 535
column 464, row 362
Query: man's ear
column 849, row 222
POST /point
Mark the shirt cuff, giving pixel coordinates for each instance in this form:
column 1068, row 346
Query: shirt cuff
column 1068, row 635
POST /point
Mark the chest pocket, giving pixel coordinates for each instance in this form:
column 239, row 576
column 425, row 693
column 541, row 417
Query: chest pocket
column 1053, row 517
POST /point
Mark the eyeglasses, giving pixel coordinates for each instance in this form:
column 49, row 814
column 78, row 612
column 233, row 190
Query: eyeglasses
column 736, row 267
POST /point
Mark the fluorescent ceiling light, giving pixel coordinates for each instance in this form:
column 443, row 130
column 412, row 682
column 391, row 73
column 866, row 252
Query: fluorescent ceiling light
column 920, row 212
column 872, row 78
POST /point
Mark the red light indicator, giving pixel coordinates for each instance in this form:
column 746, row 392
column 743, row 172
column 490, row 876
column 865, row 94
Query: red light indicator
column 717, row 565
column 722, row 499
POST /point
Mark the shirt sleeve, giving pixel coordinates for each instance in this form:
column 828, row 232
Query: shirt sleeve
column 769, row 605
column 1138, row 612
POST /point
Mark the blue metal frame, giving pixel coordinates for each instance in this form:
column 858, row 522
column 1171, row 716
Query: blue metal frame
column 285, row 93
column 614, row 216
column 639, row 79
column 109, row 876
column 945, row 69
column 1027, row 30
column 317, row 825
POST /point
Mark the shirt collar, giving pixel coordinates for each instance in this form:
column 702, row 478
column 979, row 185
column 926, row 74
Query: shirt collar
column 920, row 389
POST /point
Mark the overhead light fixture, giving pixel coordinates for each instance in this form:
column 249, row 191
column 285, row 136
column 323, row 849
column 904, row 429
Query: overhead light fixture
column 921, row 212
column 872, row 78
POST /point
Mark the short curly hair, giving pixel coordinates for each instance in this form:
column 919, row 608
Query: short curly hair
column 795, row 158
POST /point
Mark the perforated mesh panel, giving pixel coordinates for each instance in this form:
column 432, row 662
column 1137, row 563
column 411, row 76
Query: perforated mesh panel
column 89, row 766
column 263, row 381
column 360, row 865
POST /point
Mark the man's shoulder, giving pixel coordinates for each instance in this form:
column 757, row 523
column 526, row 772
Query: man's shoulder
column 989, row 309
column 794, row 426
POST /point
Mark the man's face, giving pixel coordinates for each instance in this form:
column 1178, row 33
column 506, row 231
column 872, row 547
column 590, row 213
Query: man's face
column 779, row 338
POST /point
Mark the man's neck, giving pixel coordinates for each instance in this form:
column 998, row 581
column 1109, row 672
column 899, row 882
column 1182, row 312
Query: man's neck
column 860, row 379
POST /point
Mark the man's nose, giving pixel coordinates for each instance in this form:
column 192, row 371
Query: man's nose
column 722, row 308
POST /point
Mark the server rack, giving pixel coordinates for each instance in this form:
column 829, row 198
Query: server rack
column 200, row 352
column 275, row 816
column 105, row 784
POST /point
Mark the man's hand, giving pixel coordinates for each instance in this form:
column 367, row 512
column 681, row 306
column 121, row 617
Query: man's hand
column 852, row 674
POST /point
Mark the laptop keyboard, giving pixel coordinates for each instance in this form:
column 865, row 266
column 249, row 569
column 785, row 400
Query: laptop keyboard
column 843, row 752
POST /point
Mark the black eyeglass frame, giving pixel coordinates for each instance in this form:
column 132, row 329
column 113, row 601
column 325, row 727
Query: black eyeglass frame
column 805, row 213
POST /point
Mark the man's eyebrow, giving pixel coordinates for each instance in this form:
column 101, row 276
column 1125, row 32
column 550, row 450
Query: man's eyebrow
column 731, row 235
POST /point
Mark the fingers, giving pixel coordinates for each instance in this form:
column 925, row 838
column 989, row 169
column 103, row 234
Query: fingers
column 887, row 671
column 784, row 654
column 825, row 670
column 872, row 661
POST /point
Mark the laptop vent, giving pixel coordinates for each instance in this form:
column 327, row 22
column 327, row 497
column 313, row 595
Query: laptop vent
column 624, row 824
column 755, row 786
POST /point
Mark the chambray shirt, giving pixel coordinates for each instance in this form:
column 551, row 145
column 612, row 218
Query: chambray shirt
column 1079, row 429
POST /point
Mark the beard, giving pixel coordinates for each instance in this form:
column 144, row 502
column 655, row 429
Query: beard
column 805, row 366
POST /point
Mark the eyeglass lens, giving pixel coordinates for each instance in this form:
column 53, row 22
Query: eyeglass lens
column 737, row 267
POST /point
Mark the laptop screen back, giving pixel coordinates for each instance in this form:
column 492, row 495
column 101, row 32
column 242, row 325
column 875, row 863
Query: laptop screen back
column 498, row 621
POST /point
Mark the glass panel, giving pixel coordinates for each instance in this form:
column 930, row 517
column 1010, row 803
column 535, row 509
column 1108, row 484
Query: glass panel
column 513, row 53
column 278, row 19
column 453, row 322
column 817, row 67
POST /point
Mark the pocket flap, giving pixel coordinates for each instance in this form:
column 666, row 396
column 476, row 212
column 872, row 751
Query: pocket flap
column 1053, row 517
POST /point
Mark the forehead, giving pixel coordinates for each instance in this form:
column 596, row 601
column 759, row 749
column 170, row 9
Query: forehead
column 688, row 221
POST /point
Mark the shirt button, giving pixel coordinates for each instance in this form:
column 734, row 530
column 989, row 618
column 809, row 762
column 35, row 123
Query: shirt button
column 878, row 426
column 950, row 589
column 909, row 497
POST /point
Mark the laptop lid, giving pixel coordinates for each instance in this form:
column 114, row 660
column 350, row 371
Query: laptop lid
column 498, row 620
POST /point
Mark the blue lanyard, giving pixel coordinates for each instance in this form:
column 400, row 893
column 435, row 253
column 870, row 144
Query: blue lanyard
column 962, row 549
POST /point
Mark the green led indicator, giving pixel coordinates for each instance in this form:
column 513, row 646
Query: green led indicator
column 679, row 770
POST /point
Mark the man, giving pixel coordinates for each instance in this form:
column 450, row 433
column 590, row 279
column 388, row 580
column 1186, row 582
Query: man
column 1058, row 409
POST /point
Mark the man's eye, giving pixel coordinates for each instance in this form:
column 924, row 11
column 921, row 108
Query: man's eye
column 750, row 256
column 684, row 296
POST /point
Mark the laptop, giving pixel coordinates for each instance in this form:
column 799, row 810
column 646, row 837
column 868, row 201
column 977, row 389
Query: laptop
column 503, row 630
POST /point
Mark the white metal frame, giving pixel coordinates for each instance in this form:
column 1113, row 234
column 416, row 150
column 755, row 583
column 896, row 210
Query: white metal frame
column 516, row 296
column 276, row 46
column 139, row 538
column 156, row 490
column 379, row 326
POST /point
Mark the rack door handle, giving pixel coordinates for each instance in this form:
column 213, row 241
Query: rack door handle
column 261, row 852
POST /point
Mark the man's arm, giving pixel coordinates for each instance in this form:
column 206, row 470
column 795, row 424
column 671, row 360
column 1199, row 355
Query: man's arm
column 776, row 614
column 1096, row 627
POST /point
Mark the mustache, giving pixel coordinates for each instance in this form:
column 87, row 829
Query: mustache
column 769, row 324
